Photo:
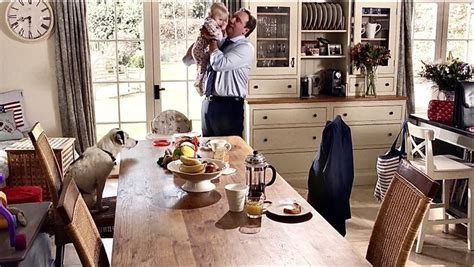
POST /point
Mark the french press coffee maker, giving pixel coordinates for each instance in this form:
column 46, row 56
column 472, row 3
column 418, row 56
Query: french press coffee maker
column 255, row 166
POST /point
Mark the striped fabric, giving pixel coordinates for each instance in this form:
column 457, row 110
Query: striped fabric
column 13, row 100
column 386, row 169
column 387, row 165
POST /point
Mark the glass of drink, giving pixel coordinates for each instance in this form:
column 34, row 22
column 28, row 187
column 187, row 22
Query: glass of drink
column 254, row 205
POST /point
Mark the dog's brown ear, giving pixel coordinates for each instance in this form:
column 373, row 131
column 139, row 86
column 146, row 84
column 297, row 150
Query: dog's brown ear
column 120, row 137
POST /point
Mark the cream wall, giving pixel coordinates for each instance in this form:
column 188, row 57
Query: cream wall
column 31, row 67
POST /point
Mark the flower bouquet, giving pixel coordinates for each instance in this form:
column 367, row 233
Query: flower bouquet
column 446, row 75
column 368, row 57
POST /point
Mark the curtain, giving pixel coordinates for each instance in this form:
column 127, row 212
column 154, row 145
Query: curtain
column 232, row 5
column 405, row 83
column 76, row 103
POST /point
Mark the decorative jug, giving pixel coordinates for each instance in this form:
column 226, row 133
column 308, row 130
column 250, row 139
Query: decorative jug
column 255, row 166
column 371, row 29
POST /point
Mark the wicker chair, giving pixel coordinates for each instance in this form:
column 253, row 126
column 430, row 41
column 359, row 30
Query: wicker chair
column 170, row 122
column 401, row 214
column 103, row 220
column 80, row 226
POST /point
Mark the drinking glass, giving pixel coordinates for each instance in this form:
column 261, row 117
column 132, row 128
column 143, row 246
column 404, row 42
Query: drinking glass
column 254, row 205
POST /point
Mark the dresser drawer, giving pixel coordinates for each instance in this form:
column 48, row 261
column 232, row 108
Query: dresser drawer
column 287, row 138
column 366, row 135
column 291, row 162
column 290, row 116
column 384, row 85
column 265, row 87
column 367, row 158
column 356, row 86
column 369, row 114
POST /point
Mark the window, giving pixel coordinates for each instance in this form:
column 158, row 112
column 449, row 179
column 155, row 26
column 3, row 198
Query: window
column 116, row 40
column 439, row 28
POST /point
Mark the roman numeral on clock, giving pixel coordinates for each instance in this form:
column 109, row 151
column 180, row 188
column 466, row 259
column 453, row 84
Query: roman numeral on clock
column 13, row 16
column 21, row 2
column 14, row 25
column 21, row 32
column 44, row 26
column 30, row 36
column 47, row 18
column 30, row 2
column 44, row 9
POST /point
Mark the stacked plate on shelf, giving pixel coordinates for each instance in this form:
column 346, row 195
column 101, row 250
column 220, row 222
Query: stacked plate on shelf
column 322, row 16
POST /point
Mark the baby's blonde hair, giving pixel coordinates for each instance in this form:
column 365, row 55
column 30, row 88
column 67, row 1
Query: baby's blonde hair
column 216, row 9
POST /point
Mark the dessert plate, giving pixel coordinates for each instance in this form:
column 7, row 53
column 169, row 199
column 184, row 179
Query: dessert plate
column 320, row 16
column 324, row 17
column 277, row 208
column 315, row 16
column 339, row 15
column 335, row 17
column 329, row 20
column 304, row 19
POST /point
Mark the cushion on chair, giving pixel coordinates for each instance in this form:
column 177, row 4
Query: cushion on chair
column 8, row 130
column 13, row 100
column 23, row 194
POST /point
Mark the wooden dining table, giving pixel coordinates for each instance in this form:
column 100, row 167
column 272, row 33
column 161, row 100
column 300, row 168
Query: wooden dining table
column 159, row 224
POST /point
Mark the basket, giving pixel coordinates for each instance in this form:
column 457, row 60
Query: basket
column 24, row 166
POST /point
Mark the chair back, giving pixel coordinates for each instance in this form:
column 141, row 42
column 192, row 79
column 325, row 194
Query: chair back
column 47, row 161
column 80, row 226
column 400, row 215
column 170, row 122
column 423, row 149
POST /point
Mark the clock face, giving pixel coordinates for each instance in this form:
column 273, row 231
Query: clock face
column 29, row 19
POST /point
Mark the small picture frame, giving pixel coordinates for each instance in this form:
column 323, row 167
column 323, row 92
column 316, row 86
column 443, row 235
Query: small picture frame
column 335, row 49
column 310, row 48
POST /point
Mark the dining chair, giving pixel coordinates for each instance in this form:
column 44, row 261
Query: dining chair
column 80, row 226
column 401, row 213
column 170, row 122
column 443, row 168
column 54, row 179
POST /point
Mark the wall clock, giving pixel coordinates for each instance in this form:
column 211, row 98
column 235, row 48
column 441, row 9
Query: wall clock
column 29, row 20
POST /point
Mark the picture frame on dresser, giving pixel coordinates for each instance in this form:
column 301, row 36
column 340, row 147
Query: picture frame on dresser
column 335, row 49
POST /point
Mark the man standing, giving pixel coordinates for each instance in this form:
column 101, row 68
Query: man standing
column 222, row 110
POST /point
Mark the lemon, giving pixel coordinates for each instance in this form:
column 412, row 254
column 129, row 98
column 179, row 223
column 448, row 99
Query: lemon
column 187, row 151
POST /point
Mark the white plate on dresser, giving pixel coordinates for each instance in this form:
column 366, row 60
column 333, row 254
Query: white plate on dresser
column 335, row 15
column 304, row 19
column 329, row 17
column 313, row 11
column 340, row 17
column 324, row 16
column 319, row 11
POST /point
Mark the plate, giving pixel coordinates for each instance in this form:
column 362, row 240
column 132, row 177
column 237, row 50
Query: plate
column 339, row 15
column 311, row 16
column 277, row 209
column 304, row 20
column 335, row 17
column 315, row 16
column 197, row 182
column 329, row 16
column 320, row 16
column 325, row 16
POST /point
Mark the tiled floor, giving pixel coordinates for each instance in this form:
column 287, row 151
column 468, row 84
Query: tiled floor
column 439, row 249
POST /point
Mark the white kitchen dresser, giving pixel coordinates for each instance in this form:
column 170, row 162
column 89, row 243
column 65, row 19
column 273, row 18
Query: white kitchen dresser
column 288, row 131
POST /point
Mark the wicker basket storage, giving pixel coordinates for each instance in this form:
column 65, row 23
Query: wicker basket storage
column 24, row 167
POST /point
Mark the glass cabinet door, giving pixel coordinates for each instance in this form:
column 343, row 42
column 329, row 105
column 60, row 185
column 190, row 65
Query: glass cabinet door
column 274, row 39
column 375, row 23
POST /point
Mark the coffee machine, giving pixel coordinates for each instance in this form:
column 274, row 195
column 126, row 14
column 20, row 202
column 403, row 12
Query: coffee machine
column 332, row 83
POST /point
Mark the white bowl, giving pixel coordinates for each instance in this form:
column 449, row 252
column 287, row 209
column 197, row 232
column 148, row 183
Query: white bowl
column 197, row 182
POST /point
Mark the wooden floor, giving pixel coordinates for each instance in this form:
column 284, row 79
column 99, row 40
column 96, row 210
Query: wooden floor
column 439, row 249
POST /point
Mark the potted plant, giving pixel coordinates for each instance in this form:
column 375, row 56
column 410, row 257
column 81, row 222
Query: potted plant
column 368, row 57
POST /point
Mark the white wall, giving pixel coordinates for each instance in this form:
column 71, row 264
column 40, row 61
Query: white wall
column 31, row 67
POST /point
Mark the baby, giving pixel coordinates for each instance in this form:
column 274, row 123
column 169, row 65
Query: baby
column 215, row 25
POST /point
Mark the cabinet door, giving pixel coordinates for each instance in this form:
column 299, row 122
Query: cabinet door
column 376, row 23
column 275, row 38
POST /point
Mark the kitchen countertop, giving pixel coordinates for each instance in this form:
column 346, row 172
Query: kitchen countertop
column 321, row 98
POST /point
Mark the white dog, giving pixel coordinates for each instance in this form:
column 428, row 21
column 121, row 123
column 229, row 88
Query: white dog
column 91, row 169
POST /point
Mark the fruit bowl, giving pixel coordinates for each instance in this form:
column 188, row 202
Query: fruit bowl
column 197, row 182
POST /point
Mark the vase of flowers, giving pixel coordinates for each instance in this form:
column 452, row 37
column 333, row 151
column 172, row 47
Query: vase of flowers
column 368, row 57
column 446, row 75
